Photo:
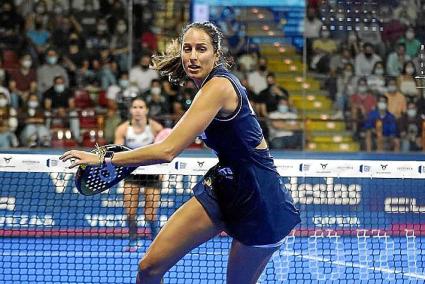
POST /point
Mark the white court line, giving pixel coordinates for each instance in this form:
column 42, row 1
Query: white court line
column 121, row 254
column 356, row 265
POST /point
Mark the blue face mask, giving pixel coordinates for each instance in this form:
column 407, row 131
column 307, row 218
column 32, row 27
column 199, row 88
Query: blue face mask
column 282, row 108
column 52, row 59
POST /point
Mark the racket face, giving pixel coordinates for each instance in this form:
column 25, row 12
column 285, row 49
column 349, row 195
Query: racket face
column 91, row 180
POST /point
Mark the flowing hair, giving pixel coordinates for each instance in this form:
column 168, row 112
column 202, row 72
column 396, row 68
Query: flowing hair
column 169, row 63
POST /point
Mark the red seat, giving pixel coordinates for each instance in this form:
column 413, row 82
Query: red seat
column 93, row 137
column 82, row 99
column 62, row 138
column 10, row 59
column 88, row 119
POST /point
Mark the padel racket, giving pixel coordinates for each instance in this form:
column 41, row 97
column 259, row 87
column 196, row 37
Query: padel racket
column 91, row 180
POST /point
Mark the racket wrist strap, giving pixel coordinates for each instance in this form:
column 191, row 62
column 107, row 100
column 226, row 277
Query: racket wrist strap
column 107, row 158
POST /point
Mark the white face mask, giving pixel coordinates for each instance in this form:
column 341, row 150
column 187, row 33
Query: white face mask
column 362, row 89
column 379, row 71
column 411, row 112
column 382, row 106
column 3, row 102
column 392, row 89
column 410, row 70
column 410, row 35
column 282, row 108
column 59, row 88
column 27, row 63
column 156, row 90
column 32, row 104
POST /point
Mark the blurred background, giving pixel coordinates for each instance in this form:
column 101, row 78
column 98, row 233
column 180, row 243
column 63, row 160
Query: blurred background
column 328, row 76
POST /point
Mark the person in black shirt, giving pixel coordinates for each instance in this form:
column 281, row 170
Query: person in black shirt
column 270, row 96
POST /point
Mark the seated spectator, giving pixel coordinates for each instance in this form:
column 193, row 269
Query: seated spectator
column 8, row 123
column 285, row 131
column 362, row 103
column 410, row 125
column 322, row 49
column 339, row 60
column 185, row 98
column 39, row 35
column 58, row 102
column 257, row 78
column 272, row 93
column 248, row 61
column 35, row 133
column 119, row 45
column 365, row 60
column 396, row 100
column 99, row 40
column 407, row 83
column 23, row 81
column 255, row 100
column 411, row 43
column 391, row 28
column 381, row 128
column 406, row 12
column 141, row 75
column 156, row 100
column 354, row 44
column 376, row 81
column 48, row 71
column 369, row 31
column 106, row 70
column 346, row 86
column 396, row 60
column 62, row 31
column 87, row 16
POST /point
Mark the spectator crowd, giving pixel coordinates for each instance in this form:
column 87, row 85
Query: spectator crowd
column 65, row 70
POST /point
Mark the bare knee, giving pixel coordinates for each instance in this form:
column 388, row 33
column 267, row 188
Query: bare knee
column 150, row 268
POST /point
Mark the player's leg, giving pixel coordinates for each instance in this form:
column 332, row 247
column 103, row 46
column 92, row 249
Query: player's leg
column 246, row 263
column 186, row 229
column 131, row 202
column 152, row 202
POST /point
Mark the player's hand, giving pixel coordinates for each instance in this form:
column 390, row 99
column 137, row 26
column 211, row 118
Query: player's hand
column 80, row 158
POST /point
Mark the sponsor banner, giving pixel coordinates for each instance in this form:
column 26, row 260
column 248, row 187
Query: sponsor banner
column 198, row 166
column 49, row 201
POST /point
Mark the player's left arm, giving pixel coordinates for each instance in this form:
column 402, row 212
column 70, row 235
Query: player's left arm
column 216, row 94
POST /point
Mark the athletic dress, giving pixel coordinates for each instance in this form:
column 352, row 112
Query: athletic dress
column 134, row 140
column 244, row 192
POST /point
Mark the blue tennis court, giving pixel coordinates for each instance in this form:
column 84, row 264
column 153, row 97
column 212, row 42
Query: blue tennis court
column 301, row 260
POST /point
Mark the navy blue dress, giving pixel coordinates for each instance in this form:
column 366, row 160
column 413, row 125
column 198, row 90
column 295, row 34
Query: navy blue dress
column 244, row 191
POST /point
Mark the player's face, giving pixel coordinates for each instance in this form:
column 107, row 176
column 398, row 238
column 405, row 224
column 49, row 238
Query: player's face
column 138, row 110
column 198, row 56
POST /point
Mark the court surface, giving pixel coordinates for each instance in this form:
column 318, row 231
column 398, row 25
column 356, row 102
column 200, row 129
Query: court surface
column 301, row 260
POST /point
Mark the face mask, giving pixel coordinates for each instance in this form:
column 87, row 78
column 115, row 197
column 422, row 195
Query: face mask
column 156, row 90
column 32, row 104
column 123, row 83
column 145, row 67
column 410, row 70
column 348, row 73
column 27, row 63
column 3, row 102
column 282, row 108
column 410, row 35
column 121, row 28
column 40, row 9
column 101, row 28
column 59, row 88
column 352, row 37
column 379, row 71
column 368, row 54
column 411, row 112
column 382, row 106
column 362, row 89
column 262, row 68
column 392, row 89
column 52, row 60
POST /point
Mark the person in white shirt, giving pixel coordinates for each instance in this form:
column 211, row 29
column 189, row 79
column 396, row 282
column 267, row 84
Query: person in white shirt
column 141, row 75
column 257, row 78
